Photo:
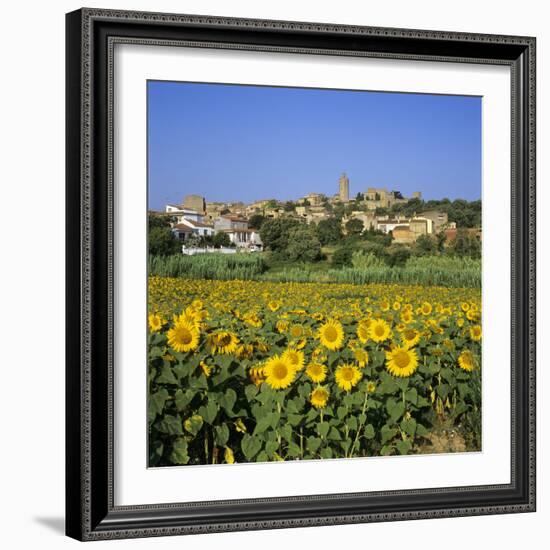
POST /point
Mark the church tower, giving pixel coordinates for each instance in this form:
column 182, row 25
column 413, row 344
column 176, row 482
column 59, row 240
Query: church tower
column 344, row 188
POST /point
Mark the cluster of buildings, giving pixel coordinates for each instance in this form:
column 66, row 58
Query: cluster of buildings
column 196, row 217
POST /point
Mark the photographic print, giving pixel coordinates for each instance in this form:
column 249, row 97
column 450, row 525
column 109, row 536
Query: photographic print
column 314, row 274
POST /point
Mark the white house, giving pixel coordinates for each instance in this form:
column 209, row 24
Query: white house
column 244, row 238
column 181, row 213
column 197, row 228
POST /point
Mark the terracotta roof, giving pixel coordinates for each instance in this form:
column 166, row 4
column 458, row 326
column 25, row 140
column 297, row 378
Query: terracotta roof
column 183, row 228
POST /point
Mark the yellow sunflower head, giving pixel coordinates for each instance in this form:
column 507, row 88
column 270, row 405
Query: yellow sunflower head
column 319, row 397
column 363, row 330
column 361, row 356
column 466, row 360
column 347, row 376
column 331, row 334
column 296, row 331
column 228, row 455
column 426, row 308
column 183, row 336
column 475, row 333
column 156, row 322
column 274, row 305
column 281, row 325
column 223, row 342
column 371, row 387
column 317, row 372
column 295, row 357
column 410, row 337
column 279, row 372
column 401, row 361
column 379, row 330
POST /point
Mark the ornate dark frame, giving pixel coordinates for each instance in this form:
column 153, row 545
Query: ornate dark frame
column 90, row 39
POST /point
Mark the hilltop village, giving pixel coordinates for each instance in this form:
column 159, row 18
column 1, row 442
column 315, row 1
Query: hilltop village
column 405, row 219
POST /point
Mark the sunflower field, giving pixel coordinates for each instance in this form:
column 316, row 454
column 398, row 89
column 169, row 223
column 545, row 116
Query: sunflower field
column 256, row 371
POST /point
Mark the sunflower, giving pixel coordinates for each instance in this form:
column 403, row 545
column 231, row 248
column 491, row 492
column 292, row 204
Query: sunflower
column 379, row 330
column 317, row 372
column 253, row 319
column 466, row 360
column 465, row 306
column 257, row 375
column 363, row 330
column 155, row 322
column 472, row 314
column 319, row 397
column 410, row 337
column 331, row 334
column 406, row 316
column 401, row 361
column 274, row 305
column 475, row 333
column 426, row 308
column 229, row 456
column 279, row 373
column 347, row 376
column 281, row 326
column 223, row 342
column 361, row 356
column 295, row 357
column 384, row 305
column 371, row 387
column 296, row 331
column 183, row 336
column 206, row 369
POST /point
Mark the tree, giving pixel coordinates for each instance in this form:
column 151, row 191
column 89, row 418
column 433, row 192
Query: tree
column 274, row 233
column 354, row 227
column 466, row 245
column 343, row 256
column 329, row 231
column 220, row 240
column 158, row 220
column 359, row 197
column 289, row 206
column 162, row 242
column 303, row 244
column 255, row 221
column 426, row 245
column 398, row 256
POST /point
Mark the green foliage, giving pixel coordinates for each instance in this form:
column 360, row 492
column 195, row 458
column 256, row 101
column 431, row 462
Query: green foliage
column 208, row 266
column 303, row 244
column 162, row 242
column 220, row 240
column 354, row 226
column 329, row 231
column 274, row 233
column 343, row 256
column 255, row 221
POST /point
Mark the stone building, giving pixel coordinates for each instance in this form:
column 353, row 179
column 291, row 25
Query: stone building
column 343, row 192
column 195, row 202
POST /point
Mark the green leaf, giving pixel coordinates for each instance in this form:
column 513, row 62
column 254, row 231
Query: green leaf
column 326, row 452
column 443, row 390
column 369, row 431
column 262, row 457
column 334, row 434
column 170, row 425
column 387, row 433
column 421, row 430
column 313, row 443
column 352, row 423
column 250, row 446
column 341, row 412
column 193, row 424
column 396, row 412
column 409, row 426
column 183, row 398
column 402, row 383
column 263, row 423
column 271, row 448
column 251, row 391
column 294, row 419
column 323, row 428
column 156, row 403
column 229, row 399
column 209, row 412
column 166, row 376
column 181, row 370
column 412, row 396
column 286, row 432
column 179, row 451
column 386, row 450
column 221, row 435
column 293, row 450
column 403, row 446
column 155, row 351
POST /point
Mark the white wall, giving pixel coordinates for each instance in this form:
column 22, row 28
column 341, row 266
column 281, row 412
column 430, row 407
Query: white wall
column 32, row 320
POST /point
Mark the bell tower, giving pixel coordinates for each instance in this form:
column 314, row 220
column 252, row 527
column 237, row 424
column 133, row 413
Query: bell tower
column 343, row 188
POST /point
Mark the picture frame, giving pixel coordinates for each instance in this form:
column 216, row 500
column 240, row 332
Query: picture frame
column 91, row 510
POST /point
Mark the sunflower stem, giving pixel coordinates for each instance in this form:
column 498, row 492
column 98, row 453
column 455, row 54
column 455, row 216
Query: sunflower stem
column 360, row 425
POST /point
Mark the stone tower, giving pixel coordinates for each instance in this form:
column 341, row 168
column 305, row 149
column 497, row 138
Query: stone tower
column 344, row 188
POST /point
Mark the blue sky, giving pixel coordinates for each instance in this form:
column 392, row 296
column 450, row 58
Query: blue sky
column 233, row 142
